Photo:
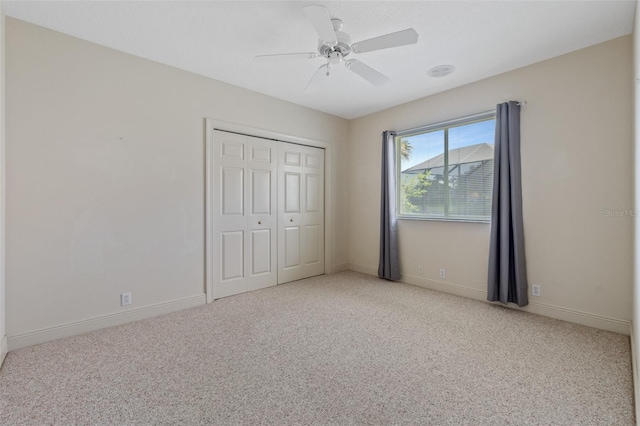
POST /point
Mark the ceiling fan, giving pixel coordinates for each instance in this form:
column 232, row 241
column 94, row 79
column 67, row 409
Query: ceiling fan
column 335, row 46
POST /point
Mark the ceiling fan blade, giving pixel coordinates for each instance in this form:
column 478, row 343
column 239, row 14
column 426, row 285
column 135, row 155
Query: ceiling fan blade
column 321, row 21
column 366, row 72
column 285, row 56
column 400, row 38
column 314, row 83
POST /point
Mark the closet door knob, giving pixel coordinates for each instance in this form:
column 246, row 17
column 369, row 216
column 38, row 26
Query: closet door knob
column 259, row 222
column 290, row 220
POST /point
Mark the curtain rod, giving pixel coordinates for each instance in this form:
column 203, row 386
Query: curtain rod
column 446, row 123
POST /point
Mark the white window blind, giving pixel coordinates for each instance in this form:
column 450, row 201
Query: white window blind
column 446, row 170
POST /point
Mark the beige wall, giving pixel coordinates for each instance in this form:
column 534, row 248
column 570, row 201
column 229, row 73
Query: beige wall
column 105, row 177
column 3, row 340
column 576, row 164
column 635, row 335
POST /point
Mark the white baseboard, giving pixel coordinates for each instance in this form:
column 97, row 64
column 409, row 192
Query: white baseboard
column 602, row 322
column 634, row 372
column 617, row 325
column 3, row 349
column 79, row 327
column 339, row 268
column 364, row 269
column 445, row 287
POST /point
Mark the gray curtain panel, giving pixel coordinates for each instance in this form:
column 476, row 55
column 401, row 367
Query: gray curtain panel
column 389, row 266
column 507, row 266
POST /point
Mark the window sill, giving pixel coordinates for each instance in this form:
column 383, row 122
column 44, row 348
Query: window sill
column 445, row 219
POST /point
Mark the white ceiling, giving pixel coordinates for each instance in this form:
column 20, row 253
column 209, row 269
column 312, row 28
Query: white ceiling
column 219, row 39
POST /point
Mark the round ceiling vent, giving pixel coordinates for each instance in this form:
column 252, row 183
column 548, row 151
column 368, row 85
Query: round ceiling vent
column 441, row 70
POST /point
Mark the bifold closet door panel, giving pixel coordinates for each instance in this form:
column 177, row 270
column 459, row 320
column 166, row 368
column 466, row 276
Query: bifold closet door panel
column 244, row 209
column 262, row 224
column 301, row 212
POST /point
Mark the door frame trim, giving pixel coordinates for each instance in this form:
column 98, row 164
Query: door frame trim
column 210, row 126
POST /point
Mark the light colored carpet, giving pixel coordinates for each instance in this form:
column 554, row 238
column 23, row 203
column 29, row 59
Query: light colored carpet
column 339, row 349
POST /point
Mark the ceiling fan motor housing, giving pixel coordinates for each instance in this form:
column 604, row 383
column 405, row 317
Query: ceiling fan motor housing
column 343, row 46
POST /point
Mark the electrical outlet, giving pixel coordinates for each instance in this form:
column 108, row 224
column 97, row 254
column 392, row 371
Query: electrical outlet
column 535, row 290
column 443, row 273
column 125, row 299
column 420, row 270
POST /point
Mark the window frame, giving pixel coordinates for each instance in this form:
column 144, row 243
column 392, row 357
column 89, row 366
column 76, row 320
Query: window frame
column 443, row 125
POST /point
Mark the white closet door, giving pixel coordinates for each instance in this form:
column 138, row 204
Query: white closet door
column 244, row 210
column 301, row 212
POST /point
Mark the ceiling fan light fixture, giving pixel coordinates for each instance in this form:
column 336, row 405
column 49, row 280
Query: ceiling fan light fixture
column 334, row 58
column 441, row 71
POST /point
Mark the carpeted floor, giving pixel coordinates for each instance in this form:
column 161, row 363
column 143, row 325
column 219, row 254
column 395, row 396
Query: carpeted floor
column 339, row 349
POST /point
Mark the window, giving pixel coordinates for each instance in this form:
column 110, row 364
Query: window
column 446, row 170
